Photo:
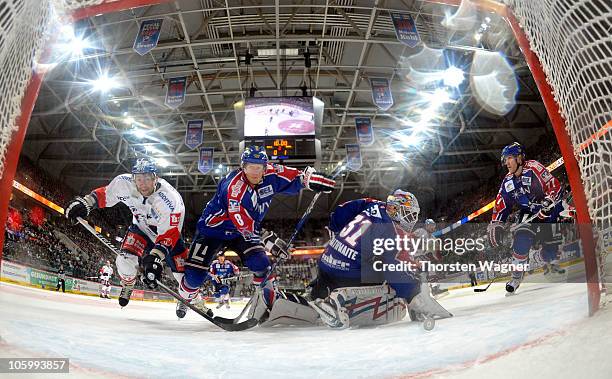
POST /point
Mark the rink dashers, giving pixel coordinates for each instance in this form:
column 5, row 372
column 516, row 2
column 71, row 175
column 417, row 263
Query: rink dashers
column 490, row 336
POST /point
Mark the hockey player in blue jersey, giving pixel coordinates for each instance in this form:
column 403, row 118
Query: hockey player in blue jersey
column 221, row 270
column 531, row 188
column 348, row 290
column 232, row 219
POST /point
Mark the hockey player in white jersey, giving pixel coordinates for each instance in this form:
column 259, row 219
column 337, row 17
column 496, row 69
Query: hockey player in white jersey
column 155, row 234
column 106, row 273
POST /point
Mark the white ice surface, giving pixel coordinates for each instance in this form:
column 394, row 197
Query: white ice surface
column 542, row 332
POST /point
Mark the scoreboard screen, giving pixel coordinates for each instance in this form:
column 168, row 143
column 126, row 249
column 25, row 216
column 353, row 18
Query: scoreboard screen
column 280, row 148
column 287, row 149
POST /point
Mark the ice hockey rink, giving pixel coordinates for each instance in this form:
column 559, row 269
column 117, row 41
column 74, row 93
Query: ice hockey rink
column 544, row 331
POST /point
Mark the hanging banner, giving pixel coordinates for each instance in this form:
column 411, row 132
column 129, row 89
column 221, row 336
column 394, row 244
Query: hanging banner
column 175, row 92
column 353, row 156
column 381, row 93
column 194, row 133
column 405, row 29
column 365, row 134
column 205, row 164
column 148, row 36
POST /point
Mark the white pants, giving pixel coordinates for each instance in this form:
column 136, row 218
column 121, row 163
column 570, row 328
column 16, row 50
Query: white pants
column 127, row 268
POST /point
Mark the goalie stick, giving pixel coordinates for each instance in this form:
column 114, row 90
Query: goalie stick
column 224, row 323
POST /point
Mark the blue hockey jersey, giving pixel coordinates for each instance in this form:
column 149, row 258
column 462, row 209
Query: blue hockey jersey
column 238, row 207
column 526, row 191
column 223, row 270
column 356, row 225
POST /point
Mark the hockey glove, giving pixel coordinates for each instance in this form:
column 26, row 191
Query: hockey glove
column 546, row 207
column 79, row 207
column 496, row 232
column 317, row 182
column 152, row 266
column 276, row 246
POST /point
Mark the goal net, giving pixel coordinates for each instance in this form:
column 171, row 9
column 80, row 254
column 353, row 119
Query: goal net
column 572, row 40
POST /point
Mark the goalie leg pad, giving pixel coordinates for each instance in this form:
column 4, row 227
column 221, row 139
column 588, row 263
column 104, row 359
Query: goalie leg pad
column 362, row 306
column 291, row 309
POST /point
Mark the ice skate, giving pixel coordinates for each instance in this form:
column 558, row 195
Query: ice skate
column 514, row 283
column 181, row 309
column 124, row 296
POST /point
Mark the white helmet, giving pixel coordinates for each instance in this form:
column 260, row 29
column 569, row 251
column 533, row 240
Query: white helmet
column 405, row 209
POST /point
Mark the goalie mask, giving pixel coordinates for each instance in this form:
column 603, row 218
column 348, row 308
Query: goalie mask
column 403, row 208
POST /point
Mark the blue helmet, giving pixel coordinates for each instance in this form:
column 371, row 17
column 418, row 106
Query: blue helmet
column 430, row 222
column 254, row 154
column 144, row 166
column 514, row 149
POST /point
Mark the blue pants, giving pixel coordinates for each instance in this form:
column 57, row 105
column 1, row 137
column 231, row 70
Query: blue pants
column 203, row 249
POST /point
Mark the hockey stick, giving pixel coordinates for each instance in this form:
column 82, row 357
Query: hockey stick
column 484, row 289
column 298, row 228
column 99, row 236
column 223, row 323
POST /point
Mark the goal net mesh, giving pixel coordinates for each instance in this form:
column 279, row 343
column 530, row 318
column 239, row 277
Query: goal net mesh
column 573, row 41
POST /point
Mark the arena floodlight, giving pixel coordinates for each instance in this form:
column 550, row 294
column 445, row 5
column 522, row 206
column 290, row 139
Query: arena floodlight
column 453, row 76
column 161, row 162
column 104, row 83
column 139, row 133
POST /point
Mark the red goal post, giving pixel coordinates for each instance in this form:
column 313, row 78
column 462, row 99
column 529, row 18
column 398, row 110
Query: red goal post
column 555, row 36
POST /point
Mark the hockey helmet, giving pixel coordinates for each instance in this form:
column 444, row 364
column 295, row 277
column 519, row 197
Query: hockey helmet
column 429, row 221
column 254, row 154
column 515, row 149
column 404, row 208
column 144, row 166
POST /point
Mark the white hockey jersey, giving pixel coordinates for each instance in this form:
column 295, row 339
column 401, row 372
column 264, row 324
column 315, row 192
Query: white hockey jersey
column 106, row 272
column 160, row 216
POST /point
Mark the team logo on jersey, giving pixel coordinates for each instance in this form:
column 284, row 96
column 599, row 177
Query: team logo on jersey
column 526, row 180
column 166, row 201
column 236, row 188
column 234, row 206
column 546, row 176
column 175, row 219
column 509, row 186
column 374, row 211
column 265, row 191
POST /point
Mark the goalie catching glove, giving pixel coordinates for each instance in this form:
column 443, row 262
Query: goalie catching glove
column 79, row 207
column 152, row 266
column 317, row 182
column 496, row 232
column 276, row 246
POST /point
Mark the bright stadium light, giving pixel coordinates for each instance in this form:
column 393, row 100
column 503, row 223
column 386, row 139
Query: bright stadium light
column 104, row 83
column 397, row 156
column 139, row 133
column 129, row 120
column 72, row 43
column 453, row 76
column 161, row 162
